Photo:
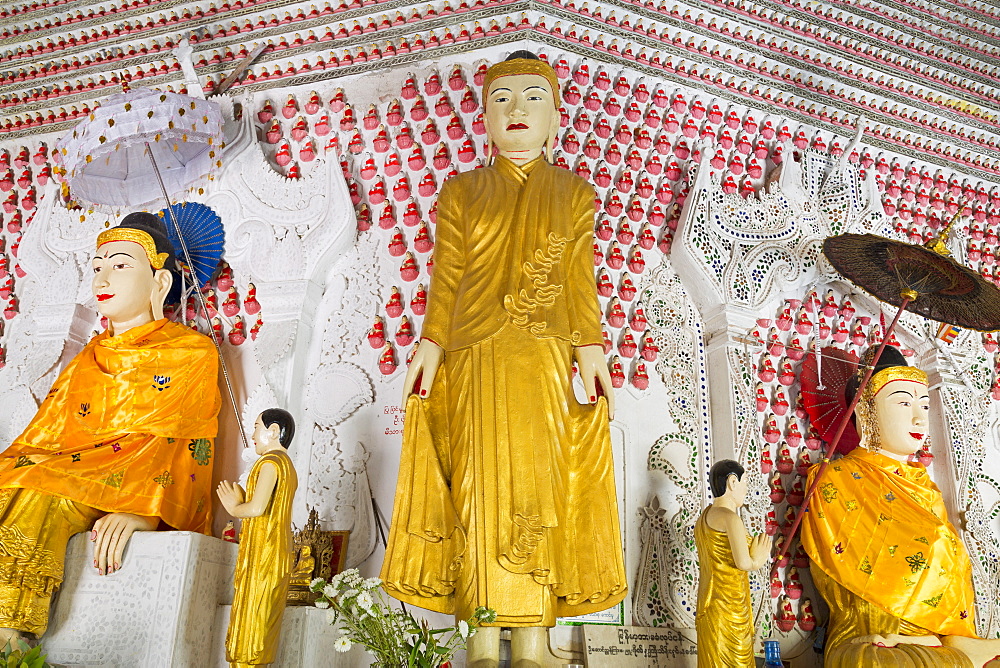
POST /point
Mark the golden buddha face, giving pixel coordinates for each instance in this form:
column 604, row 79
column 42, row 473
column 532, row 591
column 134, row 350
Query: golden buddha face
column 521, row 116
column 129, row 292
column 901, row 410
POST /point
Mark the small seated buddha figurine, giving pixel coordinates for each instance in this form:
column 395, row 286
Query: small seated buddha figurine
column 266, row 555
column 122, row 442
column 890, row 566
column 726, row 554
column 305, row 565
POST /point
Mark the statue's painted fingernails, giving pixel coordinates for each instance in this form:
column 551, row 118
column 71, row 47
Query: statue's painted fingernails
column 423, row 393
column 593, row 398
column 117, row 566
column 95, row 563
column 93, row 535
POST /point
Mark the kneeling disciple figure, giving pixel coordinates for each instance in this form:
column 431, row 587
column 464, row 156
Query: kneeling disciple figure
column 123, row 440
column 884, row 556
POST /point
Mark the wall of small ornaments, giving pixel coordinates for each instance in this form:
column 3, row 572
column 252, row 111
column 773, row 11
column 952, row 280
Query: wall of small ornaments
column 650, row 91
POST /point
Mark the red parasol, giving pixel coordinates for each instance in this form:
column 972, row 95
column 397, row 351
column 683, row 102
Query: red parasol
column 823, row 397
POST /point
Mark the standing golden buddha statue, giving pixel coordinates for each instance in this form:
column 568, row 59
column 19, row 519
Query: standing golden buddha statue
column 506, row 495
column 726, row 555
column 884, row 556
column 123, row 440
column 266, row 554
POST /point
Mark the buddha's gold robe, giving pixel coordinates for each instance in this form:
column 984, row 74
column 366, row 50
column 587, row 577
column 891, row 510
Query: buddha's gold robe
column 263, row 566
column 127, row 427
column 724, row 617
column 886, row 560
column 506, row 494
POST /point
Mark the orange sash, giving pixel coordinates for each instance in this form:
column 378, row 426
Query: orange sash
column 879, row 528
column 128, row 427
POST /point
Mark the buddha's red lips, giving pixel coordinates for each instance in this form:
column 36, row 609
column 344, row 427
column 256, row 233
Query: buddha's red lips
column 103, row 298
column 517, row 126
column 916, row 435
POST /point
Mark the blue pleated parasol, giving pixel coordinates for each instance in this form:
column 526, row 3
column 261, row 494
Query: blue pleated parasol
column 203, row 235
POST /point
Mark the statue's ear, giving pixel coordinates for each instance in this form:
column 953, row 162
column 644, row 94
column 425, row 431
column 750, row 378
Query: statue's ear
column 162, row 282
column 550, row 143
column 489, row 144
column 731, row 481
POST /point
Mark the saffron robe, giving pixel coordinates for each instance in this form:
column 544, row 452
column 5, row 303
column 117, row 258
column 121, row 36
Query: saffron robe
column 877, row 532
column 128, row 427
column 724, row 616
column 506, row 495
column 263, row 565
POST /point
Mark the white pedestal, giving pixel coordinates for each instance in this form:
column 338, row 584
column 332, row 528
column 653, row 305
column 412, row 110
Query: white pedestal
column 158, row 611
column 306, row 641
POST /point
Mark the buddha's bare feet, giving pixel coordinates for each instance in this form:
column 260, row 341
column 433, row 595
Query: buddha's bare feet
column 894, row 639
column 484, row 648
column 9, row 636
column 981, row 651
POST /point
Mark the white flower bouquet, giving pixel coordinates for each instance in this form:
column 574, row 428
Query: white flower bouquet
column 391, row 635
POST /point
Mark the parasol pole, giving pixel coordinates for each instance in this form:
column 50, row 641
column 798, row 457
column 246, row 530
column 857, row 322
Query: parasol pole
column 201, row 296
column 908, row 296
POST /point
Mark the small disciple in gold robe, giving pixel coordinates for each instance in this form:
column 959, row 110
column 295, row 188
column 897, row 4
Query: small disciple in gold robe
column 122, row 442
column 266, row 554
column 506, row 492
column 726, row 554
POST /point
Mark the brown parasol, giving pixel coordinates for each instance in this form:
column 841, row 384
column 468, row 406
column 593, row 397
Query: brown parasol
column 888, row 270
column 924, row 279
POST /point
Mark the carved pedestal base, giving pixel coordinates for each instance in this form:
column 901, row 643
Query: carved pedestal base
column 157, row 611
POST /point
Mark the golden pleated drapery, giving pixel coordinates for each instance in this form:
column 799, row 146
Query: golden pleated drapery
column 128, row 427
column 724, row 618
column 852, row 617
column 506, row 493
column 34, row 530
column 263, row 566
column 878, row 533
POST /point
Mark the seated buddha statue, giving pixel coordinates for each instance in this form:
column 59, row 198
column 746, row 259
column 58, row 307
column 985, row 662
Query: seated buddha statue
column 891, row 567
column 122, row 442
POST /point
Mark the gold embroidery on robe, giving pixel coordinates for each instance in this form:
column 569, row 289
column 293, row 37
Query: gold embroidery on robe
column 263, row 566
column 125, row 411
column 34, row 530
column 506, row 493
column 893, row 546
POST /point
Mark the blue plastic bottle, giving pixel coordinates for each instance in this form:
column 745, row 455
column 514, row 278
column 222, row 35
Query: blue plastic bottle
column 772, row 654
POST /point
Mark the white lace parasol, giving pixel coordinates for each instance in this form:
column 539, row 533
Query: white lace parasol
column 105, row 156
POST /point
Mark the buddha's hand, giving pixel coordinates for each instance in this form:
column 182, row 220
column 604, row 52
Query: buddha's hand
column 110, row 536
column 231, row 495
column 894, row 639
column 423, row 367
column 593, row 368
